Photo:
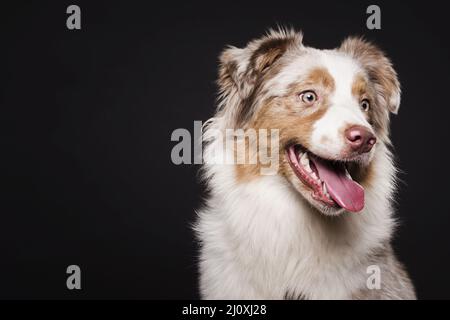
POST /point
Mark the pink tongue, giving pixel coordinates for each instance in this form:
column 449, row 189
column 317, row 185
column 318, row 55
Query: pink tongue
column 344, row 191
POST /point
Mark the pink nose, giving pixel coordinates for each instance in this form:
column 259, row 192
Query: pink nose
column 360, row 139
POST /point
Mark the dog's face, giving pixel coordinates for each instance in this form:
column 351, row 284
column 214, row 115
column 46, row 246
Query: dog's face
column 331, row 108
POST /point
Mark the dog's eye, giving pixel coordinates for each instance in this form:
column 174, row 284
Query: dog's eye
column 365, row 105
column 308, row 97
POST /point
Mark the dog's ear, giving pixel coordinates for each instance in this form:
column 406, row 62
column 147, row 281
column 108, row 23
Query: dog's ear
column 378, row 67
column 241, row 69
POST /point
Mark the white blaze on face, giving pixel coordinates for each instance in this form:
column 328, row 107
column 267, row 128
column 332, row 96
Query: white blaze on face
column 344, row 111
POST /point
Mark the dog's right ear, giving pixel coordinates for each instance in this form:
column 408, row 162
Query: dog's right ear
column 240, row 69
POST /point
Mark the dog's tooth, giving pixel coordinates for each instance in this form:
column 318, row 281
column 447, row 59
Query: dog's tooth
column 314, row 176
column 325, row 191
column 304, row 159
column 347, row 174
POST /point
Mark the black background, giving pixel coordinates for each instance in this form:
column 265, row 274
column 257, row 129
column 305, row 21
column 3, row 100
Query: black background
column 86, row 119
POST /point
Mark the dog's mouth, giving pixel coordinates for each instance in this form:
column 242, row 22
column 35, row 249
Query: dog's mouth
column 330, row 182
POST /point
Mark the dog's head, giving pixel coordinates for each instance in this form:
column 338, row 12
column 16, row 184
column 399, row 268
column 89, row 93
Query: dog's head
column 331, row 108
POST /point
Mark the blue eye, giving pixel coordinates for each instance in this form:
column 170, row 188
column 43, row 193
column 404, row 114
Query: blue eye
column 308, row 97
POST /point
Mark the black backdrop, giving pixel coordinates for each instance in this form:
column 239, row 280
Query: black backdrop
column 86, row 119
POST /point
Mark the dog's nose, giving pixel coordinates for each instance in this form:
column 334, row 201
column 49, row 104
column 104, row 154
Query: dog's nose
column 360, row 139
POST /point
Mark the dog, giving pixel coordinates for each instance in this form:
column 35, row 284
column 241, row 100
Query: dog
column 319, row 225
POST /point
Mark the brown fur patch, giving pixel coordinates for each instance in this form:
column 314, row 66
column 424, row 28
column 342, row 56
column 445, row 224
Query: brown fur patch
column 359, row 87
column 322, row 77
column 269, row 51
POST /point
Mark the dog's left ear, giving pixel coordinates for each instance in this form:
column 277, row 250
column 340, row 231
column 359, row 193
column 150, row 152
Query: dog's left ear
column 240, row 69
column 379, row 69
